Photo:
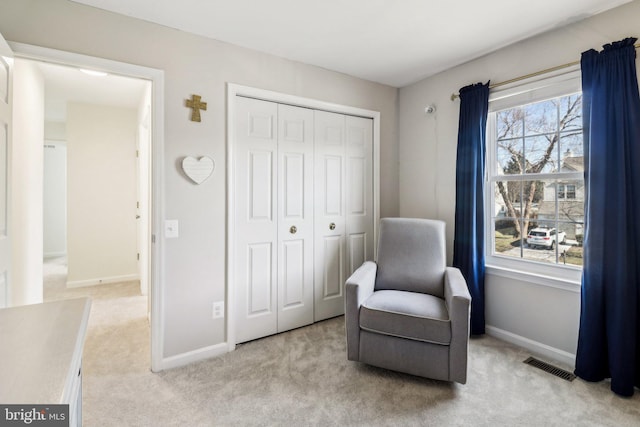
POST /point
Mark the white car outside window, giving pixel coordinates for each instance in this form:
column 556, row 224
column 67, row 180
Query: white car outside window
column 545, row 237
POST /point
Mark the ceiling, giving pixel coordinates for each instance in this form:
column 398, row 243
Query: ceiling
column 65, row 84
column 392, row 42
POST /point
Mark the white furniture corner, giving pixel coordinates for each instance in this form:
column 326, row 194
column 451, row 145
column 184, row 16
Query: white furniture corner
column 41, row 354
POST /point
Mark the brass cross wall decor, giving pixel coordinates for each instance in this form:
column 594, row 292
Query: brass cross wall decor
column 196, row 105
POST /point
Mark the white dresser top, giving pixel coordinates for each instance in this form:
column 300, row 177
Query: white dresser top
column 41, row 350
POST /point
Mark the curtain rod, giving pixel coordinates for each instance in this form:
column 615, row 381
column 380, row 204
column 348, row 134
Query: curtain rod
column 534, row 74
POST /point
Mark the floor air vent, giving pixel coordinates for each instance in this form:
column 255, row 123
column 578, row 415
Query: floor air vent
column 553, row 370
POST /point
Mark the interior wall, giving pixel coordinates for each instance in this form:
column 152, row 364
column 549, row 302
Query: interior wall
column 54, row 207
column 26, row 181
column 524, row 311
column 56, row 131
column 101, row 194
column 195, row 262
column 55, row 189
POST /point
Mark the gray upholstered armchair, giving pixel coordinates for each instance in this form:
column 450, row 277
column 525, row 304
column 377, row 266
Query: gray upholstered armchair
column 409, row 312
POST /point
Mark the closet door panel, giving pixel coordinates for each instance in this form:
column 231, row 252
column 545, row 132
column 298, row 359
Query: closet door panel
column 295, row 217
column 330, row 209
column 357, row 245
column 259, row 283
column 333, row 267
column 333, row 176
column 294, row 178
column 260, row 186
column 255, row 233
column 293, row 275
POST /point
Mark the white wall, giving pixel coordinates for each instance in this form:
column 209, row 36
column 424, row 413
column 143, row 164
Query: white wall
column 55, row 189
column 531, row 314
column 54, row 208
column 101, row 194
column 195, row 262
column 26, row 180
column 55, row 131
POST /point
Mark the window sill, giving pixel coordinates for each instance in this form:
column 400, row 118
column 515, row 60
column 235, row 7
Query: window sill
column 568, row 283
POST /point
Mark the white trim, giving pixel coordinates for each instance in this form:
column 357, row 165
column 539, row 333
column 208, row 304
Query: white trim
column 231, row 293
column 54, row 254
column 156, row 255
column 203, row 353
column 102, row 280
column 563, row 283
column 234, row 90
column 533, row 346
column 536, row 89
column 54, row 56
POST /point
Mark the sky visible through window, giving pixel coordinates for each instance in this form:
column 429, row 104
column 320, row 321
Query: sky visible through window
column 533, row 138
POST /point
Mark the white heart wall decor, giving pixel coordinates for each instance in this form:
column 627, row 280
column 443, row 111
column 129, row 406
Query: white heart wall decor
column 198, row 170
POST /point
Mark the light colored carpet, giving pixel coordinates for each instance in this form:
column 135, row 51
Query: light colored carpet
column 302, row 378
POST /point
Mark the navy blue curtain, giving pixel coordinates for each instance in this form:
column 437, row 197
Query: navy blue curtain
column 468, row 243
column 609, row 338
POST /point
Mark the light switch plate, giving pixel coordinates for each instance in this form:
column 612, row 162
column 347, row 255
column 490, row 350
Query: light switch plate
column 171, row 229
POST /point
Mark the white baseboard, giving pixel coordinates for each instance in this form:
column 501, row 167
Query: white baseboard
column 194, row 356
column 533, row 346
column 102, row 281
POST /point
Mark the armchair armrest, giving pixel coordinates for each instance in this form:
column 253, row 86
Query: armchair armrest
column 458, row 300
column 456, row 293
column 358, row 288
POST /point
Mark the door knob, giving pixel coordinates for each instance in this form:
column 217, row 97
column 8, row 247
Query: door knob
column 293, row 229
column 332, row 226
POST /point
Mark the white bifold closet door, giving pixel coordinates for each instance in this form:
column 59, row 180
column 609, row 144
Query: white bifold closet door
column 343, row 195
column 295, row 217
column 303, row 213
column 274, row 218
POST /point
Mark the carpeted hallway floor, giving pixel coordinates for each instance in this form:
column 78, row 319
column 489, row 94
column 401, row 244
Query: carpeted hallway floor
column 302, row 378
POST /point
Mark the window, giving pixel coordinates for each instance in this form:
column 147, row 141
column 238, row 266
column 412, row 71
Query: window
column 535, row 192
column 570, row 191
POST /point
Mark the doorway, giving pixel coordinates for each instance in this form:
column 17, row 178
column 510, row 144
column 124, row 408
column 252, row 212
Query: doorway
column 96, row 180
column 144, row 145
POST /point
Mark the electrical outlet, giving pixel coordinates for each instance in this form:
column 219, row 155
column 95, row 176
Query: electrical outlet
column 218, row 309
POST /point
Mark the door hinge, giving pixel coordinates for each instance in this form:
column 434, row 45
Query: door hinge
column 138, row 256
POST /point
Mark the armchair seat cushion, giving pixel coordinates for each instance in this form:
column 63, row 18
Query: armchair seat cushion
column 410, row 315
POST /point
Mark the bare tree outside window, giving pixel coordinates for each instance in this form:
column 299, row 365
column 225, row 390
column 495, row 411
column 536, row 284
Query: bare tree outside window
column 533, row 144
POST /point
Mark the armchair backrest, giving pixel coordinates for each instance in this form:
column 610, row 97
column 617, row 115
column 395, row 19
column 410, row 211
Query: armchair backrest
column 411, row 255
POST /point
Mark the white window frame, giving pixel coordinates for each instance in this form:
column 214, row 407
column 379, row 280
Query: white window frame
column 540, row 88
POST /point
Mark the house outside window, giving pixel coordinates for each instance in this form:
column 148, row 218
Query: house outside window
column 535, row 182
